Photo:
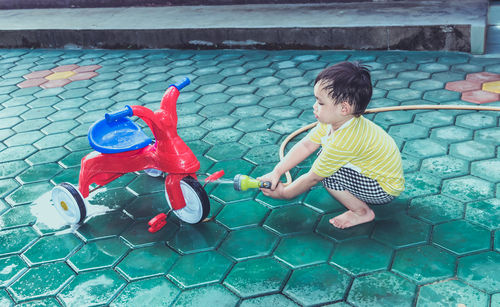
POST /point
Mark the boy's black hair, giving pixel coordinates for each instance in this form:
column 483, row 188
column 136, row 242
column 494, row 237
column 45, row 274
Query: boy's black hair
column 348, row 81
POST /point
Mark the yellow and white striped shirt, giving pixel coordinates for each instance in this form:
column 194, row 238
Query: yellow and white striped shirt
column 361, row 145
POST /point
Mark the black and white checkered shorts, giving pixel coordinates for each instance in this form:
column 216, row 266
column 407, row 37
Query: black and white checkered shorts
column 364, row 188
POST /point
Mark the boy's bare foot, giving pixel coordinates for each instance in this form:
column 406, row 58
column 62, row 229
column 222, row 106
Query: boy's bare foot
column 351, row 218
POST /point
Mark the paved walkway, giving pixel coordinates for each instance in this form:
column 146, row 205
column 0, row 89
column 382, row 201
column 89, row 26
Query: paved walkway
column 439, row 243
column 421, row 25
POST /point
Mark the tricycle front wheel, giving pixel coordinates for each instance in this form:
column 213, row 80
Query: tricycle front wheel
column 197, row 203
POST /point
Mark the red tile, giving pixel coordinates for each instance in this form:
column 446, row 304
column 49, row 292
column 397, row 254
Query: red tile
column 65, row 68
column 463, row 86
column 483, row 77
column 37, row 74
column 83, row 76
column 32, row 82
column 55, row 83
column 87, row 68
column 480, row 97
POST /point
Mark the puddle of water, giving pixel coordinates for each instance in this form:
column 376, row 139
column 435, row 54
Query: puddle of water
column 47, row 217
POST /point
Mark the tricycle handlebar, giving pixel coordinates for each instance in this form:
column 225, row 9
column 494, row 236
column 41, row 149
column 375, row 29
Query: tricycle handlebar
column 181, row 84
column 127, row 111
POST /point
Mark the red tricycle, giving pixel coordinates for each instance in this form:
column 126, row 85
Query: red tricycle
column 122, row 147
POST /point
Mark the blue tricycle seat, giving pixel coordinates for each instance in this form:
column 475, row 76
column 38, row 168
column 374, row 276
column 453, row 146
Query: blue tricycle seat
column 118, row 135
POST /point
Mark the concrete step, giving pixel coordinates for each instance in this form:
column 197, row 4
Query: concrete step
column 494, row 13
column 493, row 29
column 30, row 4
column 399, row 25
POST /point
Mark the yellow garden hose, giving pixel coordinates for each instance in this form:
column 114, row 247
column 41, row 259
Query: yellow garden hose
column 378, row 110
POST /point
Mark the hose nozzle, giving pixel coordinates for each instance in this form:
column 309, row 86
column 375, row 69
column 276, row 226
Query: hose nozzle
column 244, row 182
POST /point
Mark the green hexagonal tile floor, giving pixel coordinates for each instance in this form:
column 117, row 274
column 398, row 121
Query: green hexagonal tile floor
column 438, row 244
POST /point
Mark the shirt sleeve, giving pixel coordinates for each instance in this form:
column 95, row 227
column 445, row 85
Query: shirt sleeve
column 317, row 133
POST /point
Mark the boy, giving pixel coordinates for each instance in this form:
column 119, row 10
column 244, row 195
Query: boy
column 359, row 163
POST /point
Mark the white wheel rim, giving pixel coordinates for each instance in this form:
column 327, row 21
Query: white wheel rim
column 193, row 211
column 66, row 204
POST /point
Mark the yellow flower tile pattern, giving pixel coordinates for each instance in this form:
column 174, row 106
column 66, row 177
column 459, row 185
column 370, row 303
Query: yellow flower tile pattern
column 59, row 76
column 482, row 87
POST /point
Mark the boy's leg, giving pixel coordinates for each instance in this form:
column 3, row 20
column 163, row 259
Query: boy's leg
column 358, row 211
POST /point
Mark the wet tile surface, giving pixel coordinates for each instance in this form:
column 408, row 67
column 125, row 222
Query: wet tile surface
column 440, row 237
column 326, row 283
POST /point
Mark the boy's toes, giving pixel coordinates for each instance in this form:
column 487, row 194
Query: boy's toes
column 350, row 219
column 339, row 224
column 343, row 224
column 336, row 223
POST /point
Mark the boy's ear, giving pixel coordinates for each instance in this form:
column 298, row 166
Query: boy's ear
column 346, row 108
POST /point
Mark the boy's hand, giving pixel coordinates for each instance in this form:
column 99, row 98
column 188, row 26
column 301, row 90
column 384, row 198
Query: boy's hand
column 278, row 192
column 273, row 177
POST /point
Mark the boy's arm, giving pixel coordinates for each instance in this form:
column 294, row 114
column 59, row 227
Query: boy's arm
column 297, row 187
column 299, row 152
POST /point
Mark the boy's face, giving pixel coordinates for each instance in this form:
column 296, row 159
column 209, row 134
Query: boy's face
column 325, row 109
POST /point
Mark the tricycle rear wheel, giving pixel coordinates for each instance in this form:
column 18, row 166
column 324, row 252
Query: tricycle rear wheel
column 69, row 203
